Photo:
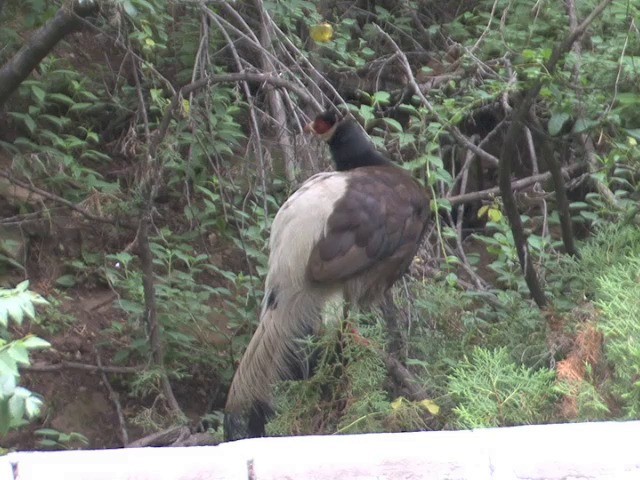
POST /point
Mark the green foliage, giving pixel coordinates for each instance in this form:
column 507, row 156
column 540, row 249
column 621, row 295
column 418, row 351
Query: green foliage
column 448, row 322
column 17, row 404
column 619, row 300
column 184, row 305
column 611, row 245
column 347, row 392
column 57, row 131
column 54, row 440
column 74, row 133
column 501, row 245
column 491, row 390
column 591, row 405
column 607, row 274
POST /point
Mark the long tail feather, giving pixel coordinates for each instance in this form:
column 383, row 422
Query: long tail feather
column 274, row 354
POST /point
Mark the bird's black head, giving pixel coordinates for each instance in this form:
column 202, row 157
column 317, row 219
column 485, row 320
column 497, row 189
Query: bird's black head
column 350, row 146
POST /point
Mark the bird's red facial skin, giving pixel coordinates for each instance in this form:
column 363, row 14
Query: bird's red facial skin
column 318, row 126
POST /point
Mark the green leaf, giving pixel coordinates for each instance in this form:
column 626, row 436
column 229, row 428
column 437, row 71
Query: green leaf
column 536, row 242
column 633, row 132
column 26, row 120
column 33, row 406
column 557, row 121
column 59, row 122
column 444, row 176
column 19, row 354
column 440, row 204
column 34, row 343
column 78, row 107
column 38, row 93
column 5, row 417
column 381, row 98
column 61, row 98
column 66, row 281
column 14, row 308
column 45, row 442
column 7, row 385
column 628, row 98
column 578, row 205
column 394, row 124
column 435, row 161
column 120, row 356
column 584, row 124
column 589, row 216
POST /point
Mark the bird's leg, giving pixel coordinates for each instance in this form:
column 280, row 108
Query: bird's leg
column 396, row 327
column 350, row 326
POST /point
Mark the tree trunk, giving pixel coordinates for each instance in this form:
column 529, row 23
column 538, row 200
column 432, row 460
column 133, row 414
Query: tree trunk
column 67, row 20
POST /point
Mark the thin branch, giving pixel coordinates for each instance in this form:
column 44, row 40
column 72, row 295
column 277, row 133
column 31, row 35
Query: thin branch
column 149, row 185
column 142, row 107
column 162, row 438
column 150, row 308
column 480, row 283
column 64, row 365
column 516, row 185
column 452, row 129
column 229, row 77
column 404, row 377
column 532, row 151
column 254, row 140
column 509, row 150
column 274, row 80
column 299, row 61
column 253, row 41
column 274, row 98
column 559, row 186
column 124, row 436
column 583, row 139
column 594, row 164
column 65, row 202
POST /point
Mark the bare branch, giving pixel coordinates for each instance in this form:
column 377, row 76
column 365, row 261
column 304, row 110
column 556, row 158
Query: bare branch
column 509, row 151
column 452, row 129
column 559, row 187
column 516, row 185
column 66, row 203
column 124, row 436
column 64, row 365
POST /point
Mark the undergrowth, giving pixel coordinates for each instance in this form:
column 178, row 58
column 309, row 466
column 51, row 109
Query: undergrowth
column 594, row 347
column 486, row 357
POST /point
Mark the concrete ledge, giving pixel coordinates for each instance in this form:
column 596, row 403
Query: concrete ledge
column 568, row 451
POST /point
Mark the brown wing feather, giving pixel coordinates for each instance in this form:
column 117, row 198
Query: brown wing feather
column 380, row 219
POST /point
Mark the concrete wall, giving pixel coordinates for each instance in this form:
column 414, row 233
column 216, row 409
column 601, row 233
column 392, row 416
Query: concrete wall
column 609, row 450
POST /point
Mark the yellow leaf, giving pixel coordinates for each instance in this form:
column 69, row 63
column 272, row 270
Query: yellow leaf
column 430, row 406
column 321, row 33
column 632, row 141
column 186, row 107
column 483, row 211
column 494, row 214
column 397, row 403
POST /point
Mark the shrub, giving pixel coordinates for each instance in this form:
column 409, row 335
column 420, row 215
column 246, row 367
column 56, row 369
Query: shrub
column 17, row 404
column 491, row 390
